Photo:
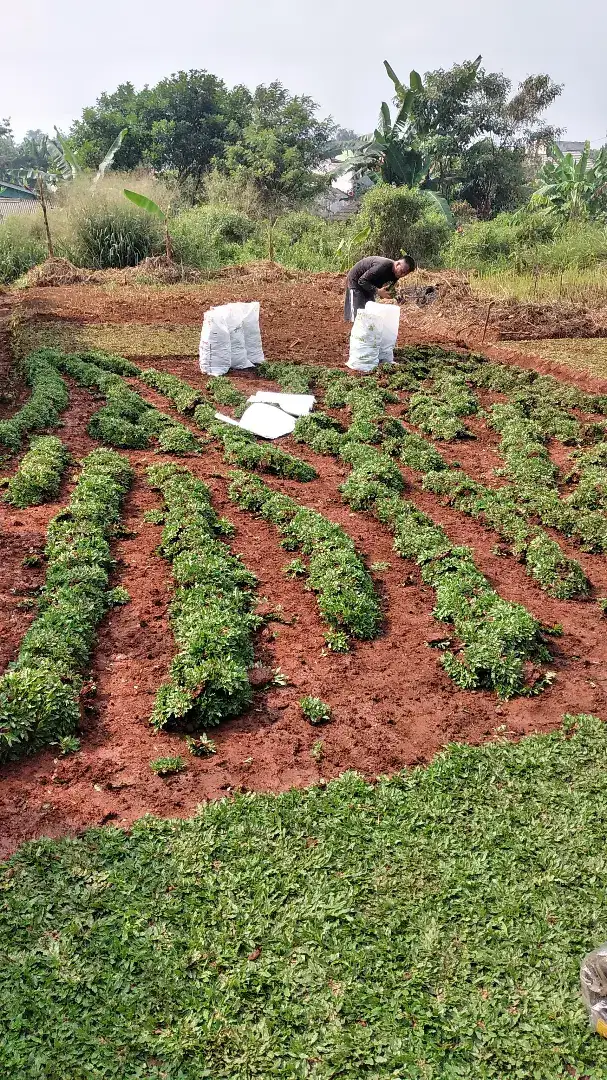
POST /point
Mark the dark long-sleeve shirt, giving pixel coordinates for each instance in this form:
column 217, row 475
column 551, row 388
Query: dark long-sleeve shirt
column 370, row 274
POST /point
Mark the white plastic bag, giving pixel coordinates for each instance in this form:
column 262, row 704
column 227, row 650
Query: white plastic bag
column 215, row 353
column 234, row 315
column 252, row 333
column 365, row 341
column 390, row 318
column 266, row 421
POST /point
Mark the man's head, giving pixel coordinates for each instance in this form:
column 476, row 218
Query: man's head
column 405, row 266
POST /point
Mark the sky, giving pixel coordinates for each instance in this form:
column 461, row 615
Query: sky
column 57, row 56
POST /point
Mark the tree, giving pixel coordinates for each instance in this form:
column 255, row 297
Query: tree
column 279, row 148
column 477, row 132
column 573, row 189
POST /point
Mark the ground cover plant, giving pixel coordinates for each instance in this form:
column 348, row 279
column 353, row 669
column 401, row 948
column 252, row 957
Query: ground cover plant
column 39, row 692
column 211, row 613
column 49, row 397
column 429, row 925
column 40, row 471
column 336, row 572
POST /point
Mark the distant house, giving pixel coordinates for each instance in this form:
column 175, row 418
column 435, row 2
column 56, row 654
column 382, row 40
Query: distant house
column 16, row 200
column 343, row 197
column 576, row 149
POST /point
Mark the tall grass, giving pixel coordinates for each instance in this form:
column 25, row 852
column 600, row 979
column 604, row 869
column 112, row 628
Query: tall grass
column 588, row 286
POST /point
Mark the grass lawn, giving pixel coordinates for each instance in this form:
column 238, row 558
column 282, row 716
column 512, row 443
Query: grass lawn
column 429, row 926
column 125, row 339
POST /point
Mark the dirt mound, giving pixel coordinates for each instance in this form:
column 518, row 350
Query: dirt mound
column 450, row 299
column 57, row 272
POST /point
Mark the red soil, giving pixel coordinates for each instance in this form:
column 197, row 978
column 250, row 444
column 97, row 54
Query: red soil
column 392, row 703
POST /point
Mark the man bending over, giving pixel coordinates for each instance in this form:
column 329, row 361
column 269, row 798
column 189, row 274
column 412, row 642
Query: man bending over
column 368, row 276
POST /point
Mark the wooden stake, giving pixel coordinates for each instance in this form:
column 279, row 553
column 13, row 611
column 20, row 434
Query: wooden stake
column 490, row 305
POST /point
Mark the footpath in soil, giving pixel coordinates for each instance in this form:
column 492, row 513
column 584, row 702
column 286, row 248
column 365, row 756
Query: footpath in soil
column 392, row 703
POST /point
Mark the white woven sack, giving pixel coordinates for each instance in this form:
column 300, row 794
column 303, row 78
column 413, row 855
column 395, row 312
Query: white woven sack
column 389, row 314
column 215, row 353
column 252, row 333
column 234, row 315
column 365, row 341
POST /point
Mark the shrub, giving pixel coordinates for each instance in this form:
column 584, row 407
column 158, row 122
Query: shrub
column 39, row 693
column 402, row 221
column 108, row 234
column 21, row 246
column 209, row 237
column 38, row 477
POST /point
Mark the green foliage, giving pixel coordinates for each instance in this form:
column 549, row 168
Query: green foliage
column 337, row 641
column 39, row 691
column 167, row 766
column 393, row 874
column 526, row 240
column 177, row 439
column 211, row 613
column 573, row 189
column 208, row 237
column 47, row 401
column 346, row 595
column 403, row 221
column 38, row 477
column 320, row 432
column 69, row 744
column 201, row 746
column 111, row 235
column 315, row 710
column 225, row 393
column 437, row 411
column 243, row 450
column 183, row 396
column 21, row 247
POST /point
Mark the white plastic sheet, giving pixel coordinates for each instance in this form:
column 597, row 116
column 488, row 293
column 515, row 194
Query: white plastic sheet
column 365, row 341
column 295, row 404
column 267, row 421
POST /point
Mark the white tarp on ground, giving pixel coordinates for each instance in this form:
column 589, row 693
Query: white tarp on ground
column 267, row 421
column 295, row 404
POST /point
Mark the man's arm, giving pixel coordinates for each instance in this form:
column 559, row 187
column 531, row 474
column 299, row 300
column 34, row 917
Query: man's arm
column 366, row 283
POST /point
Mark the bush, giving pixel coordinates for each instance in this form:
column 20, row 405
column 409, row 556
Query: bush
column 524, row 240
column 110, row 235
column 208, row 237
column 402, row 221
column 21, row 246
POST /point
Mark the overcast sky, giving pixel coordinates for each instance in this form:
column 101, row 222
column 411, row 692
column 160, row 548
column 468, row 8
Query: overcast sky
column 57, row 56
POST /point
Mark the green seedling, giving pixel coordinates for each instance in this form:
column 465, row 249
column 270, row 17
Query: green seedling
column 202, row 746
column 315, row 710
column 167, row 766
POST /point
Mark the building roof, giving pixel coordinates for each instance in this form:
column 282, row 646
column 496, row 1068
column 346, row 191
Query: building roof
column 15, row 191
column 571, row 147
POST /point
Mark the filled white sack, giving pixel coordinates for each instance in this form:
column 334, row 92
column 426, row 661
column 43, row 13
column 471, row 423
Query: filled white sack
column 365, row 341
column 215, row 354
column 389, row 314
column 266, row 421
column 234, row 315
column 252, row 333
column 295, row 404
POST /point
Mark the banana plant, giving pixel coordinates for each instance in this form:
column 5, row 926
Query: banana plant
column 153, row 208
column 67, row 165
column 573, row 189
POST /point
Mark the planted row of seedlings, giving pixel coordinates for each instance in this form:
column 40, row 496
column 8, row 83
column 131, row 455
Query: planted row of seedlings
column 211, row 614
column 335, row 571
column 38, row 477
column 39, row 692
column 497, row 637
column 48, row 399
column 240, row 448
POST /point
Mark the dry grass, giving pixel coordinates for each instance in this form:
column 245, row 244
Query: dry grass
column 125, row 339
column 582, row 354
column 587, row 287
